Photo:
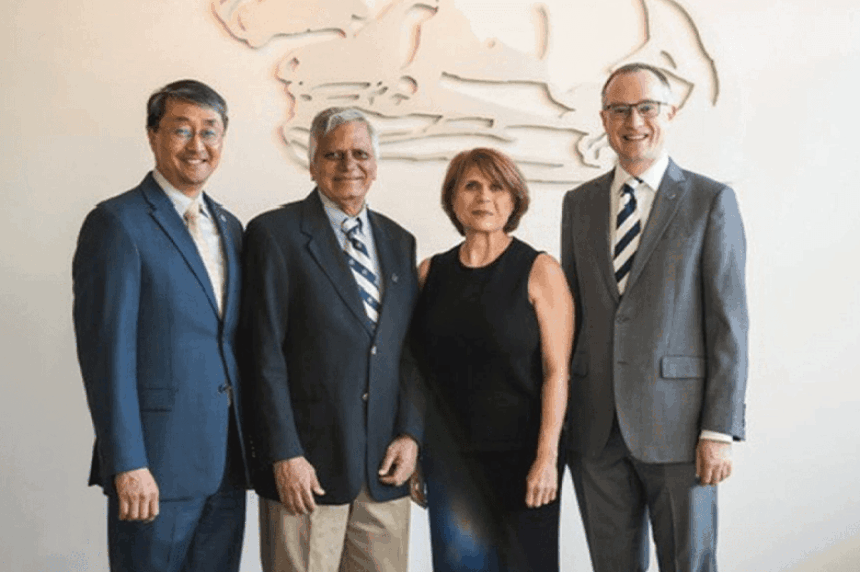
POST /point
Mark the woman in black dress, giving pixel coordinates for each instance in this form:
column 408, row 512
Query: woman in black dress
column 493, row 331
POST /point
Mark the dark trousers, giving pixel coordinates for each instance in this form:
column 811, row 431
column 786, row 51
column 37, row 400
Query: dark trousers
column 478, row 517
column 619, row 496
column 188, row 535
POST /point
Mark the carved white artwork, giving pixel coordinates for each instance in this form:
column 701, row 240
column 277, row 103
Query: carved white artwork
column 432, row 87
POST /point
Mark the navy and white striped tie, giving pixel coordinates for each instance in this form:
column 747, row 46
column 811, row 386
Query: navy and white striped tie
column 361, row 266
column 627, row 233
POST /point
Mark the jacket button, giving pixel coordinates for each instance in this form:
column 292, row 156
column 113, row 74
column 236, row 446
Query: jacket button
column 364, row 396
column 373, row 350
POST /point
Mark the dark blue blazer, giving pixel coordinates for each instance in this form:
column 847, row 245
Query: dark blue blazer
column 321, row 382
column 156, row 358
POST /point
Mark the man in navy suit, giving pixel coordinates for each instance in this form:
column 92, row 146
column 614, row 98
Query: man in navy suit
column 655, row 257
column 156, row 284
column 328, row 296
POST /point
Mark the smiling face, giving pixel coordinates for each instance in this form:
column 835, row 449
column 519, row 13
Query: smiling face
column 187, row 144
column 637, row 140
column 481, row 204
column 344, row 166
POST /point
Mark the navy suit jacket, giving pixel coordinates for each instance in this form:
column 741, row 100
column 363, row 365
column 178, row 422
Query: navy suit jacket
column 156, row 359
column 669, row 357
column 322, row 383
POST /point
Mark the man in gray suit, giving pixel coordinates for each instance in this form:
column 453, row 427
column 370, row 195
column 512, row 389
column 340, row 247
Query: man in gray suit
column 655, row 257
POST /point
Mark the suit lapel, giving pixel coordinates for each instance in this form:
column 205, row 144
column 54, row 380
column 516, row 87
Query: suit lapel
column 600, row 217
column 327, row 252
column 168, row 219
column 662, row 212
column 230, row 249
column 390, row 269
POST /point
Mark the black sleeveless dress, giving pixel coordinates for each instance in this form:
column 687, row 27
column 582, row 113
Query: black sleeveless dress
column 477, row 341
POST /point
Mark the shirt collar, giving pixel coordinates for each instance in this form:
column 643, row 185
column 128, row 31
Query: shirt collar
column 651, row 177
column 336, row 216
column 180, row 200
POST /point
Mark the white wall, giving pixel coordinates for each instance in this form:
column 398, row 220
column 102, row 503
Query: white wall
column 75, row 77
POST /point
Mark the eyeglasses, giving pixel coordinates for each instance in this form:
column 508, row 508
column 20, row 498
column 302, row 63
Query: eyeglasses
column 647, row 109
column 209, row 136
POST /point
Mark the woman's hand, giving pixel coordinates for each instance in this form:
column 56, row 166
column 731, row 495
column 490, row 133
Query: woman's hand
column 542, row 482
column 417, row 490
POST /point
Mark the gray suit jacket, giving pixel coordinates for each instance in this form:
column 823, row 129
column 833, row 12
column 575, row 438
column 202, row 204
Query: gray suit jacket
column 670, row 356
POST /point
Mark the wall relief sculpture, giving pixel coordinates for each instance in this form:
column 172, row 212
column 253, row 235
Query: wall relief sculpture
column 431, row 86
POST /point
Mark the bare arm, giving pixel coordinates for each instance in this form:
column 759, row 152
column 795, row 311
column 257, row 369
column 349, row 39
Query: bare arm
column 553, row 304
column 423, row 270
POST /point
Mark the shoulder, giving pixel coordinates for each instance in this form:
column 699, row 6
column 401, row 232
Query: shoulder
column 423, row 271
column 283, row 217
column 441, row 260
column 118, row 213
column 389, row 226
column 547, row 279
column 697, row 183
column 544, row 267
column 702, row 195
column 587, row 190
column 129, row 201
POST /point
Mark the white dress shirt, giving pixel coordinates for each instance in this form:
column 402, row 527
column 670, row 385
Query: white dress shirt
column 336, row 217
column 206, row 223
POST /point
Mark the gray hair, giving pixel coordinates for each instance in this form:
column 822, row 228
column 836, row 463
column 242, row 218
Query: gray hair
column 189, row 90
column 329, row 119
column 633, row 68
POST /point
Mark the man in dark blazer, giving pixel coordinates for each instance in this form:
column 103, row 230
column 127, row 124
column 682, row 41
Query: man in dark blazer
column 328, row 295
column 156, row 284
column 655, row 257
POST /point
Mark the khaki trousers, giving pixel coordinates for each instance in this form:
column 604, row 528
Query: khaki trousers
column 363, row 536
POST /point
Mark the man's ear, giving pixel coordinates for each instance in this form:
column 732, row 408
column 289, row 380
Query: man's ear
column 673, row 109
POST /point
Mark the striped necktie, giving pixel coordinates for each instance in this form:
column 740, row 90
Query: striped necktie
column 627, row 233
column 361, row 266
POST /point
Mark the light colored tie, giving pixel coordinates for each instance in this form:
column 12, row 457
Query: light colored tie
column 360, row 264
column 192, row 220
column 628, row 230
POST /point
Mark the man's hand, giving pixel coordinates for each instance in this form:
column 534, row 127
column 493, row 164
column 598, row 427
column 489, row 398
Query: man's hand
column 297, row 484
column 399, row 461
column 137, row 494
column 542, row 483
column 713, row 461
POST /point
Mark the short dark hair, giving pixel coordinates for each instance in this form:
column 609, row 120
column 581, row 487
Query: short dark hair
column 330, row 119
column 497, row 167
column 189, row 90
column 633, row 68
